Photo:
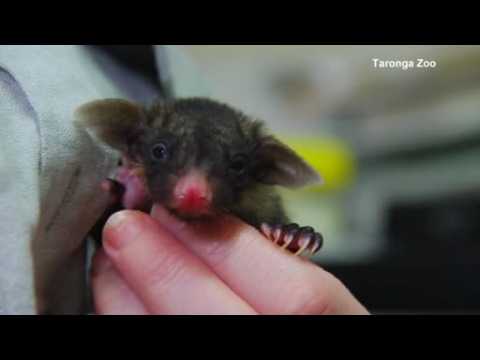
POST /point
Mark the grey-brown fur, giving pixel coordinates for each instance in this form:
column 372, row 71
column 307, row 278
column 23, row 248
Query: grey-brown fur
column 210, row 135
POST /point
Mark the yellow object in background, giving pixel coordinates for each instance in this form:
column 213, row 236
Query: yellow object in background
column 331, row 157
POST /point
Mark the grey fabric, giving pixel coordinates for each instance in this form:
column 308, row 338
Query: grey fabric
column 19, row 160
column 50, row 171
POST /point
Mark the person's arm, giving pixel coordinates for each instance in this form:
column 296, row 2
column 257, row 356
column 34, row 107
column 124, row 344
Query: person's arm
column 160, row 265
column 19, row 197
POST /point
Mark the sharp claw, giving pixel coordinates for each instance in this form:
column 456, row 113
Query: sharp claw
column 288, row 239
column 313, row 249
column 288, row 234
column 276, row 234
column 266, row 230
column 306, row 242
column 317, row 243
column 305, row 238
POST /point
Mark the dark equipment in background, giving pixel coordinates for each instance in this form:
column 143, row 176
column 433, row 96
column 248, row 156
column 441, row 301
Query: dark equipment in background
column 431, row 265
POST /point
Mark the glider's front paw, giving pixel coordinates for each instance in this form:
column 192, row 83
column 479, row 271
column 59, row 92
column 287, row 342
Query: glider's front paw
column 294, row 238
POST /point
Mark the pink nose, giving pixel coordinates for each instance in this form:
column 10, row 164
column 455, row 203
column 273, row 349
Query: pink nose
column 192, row 193
column 194, row 200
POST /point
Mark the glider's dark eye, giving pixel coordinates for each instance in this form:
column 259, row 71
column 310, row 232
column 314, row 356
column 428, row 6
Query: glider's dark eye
column 159, row 152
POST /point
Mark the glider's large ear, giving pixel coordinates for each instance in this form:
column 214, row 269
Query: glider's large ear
column 277, row 164
column 116, row 122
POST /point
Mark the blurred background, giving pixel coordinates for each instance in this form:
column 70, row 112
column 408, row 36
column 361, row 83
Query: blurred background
column 399, row 151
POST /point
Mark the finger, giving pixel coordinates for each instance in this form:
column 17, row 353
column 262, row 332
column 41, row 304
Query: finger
column 165, row 275
column 268, row 278
column 111, row 294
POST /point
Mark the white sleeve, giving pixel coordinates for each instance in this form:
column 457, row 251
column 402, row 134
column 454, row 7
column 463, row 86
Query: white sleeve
column 19, row 197
column 49, row 177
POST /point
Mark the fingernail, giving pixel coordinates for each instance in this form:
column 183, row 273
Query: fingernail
column 118, row 230
column 116, row 220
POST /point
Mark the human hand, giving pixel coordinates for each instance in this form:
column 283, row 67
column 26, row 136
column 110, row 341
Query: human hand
column 160, row 265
